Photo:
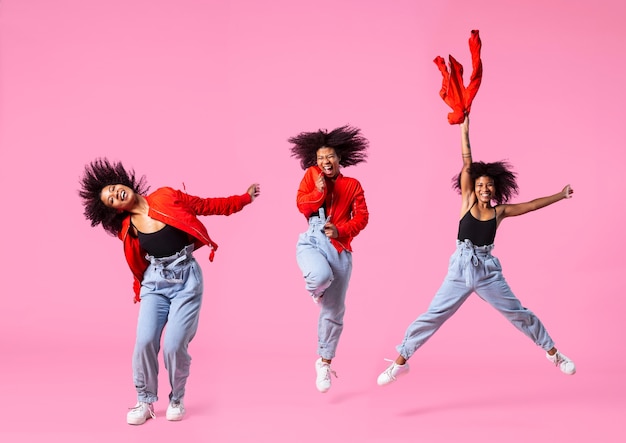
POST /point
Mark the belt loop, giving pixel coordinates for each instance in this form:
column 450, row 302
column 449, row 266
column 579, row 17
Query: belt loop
column 322, row 214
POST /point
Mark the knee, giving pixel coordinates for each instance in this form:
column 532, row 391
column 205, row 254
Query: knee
column 319, row 279
column 174, row 343
column 146, row 345
column 522, row 317
column 171, row 348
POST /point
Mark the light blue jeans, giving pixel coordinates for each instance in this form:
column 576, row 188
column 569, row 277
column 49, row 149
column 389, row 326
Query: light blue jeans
column 326, row 272
column 171, row 293
column 473, row 269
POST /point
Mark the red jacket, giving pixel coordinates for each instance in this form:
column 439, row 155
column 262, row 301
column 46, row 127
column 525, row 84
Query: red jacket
column 179, row 210
column 345, row 204
column 453, row 92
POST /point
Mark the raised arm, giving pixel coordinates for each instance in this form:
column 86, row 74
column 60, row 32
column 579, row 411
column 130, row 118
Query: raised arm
column 512, row 210
column 467, row 186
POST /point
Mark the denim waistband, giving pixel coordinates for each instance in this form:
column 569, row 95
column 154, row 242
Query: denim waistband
column 320, row 216
column 467, row 246
column 471, row 255
column 317, row 221
column 172, row 260
column 168, row 267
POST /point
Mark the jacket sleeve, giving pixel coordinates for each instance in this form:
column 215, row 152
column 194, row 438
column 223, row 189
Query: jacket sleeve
column 215, row 205
column 360, row 215
column 136, row 289
column 309, row 199
column 135, row 257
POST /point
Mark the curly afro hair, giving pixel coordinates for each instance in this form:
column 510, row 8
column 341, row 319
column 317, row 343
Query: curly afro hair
column 503, row 178
column 98, row 174
column 347, row 141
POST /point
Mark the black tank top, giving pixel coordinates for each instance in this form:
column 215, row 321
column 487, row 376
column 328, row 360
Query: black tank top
column 163, row 243
column 480, row 233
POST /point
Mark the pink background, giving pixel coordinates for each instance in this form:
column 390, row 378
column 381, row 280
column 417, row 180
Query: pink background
column 206, row 93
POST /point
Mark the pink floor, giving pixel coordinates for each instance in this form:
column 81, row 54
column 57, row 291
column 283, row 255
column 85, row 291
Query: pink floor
column 273, row 399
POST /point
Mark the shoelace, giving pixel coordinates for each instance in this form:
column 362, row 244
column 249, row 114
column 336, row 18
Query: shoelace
column 140, row 405
column 328, row 371
column 389, row 370
column 558, row 359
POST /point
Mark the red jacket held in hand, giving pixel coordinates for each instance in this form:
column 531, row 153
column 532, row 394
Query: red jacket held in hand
column 453, row 92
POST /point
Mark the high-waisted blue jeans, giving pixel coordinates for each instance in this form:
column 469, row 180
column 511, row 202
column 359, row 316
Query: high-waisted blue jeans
column 327, row 272
column 473, row 269
column 171, row 293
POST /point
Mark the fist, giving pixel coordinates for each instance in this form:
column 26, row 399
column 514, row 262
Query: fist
column 254, row 190
column 331, row 230
column 320, row 184
column 567, row 191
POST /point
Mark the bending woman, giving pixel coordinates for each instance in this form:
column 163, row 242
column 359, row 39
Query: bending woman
column 160, row 231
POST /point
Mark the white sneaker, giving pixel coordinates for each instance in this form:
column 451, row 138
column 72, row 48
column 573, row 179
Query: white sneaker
column 392, row 373
column 139, row 413
column 323, row 375
column 175, row 411
column 317, row 299
column 565, row 364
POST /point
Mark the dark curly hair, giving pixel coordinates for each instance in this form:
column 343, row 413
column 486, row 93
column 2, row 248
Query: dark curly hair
column 347, row 141
column 504, row 179
column 98, row 174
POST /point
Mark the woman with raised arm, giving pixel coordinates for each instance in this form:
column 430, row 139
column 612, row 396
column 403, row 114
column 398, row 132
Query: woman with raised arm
column 472, row 267
column 160, row 231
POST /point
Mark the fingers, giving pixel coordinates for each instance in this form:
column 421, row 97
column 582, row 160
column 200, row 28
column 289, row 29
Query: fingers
column 330, row 230
column 320, row 183
column 465, row 124
column 568, row 191
column 254, row 190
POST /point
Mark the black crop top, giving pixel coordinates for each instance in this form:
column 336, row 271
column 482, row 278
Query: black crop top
column 163, row 243
column 480, row 233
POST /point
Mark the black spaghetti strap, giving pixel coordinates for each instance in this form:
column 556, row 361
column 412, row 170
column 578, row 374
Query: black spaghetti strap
column 468, row 210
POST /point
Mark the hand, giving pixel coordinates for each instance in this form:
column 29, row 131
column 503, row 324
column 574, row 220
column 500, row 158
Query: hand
column 254, row 190
column 567, row 191
column 465, row 125
column 320, row 183
column 330, row 230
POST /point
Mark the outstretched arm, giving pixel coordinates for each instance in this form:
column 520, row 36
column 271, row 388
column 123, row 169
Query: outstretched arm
column 467, row 187
column 512, row 210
